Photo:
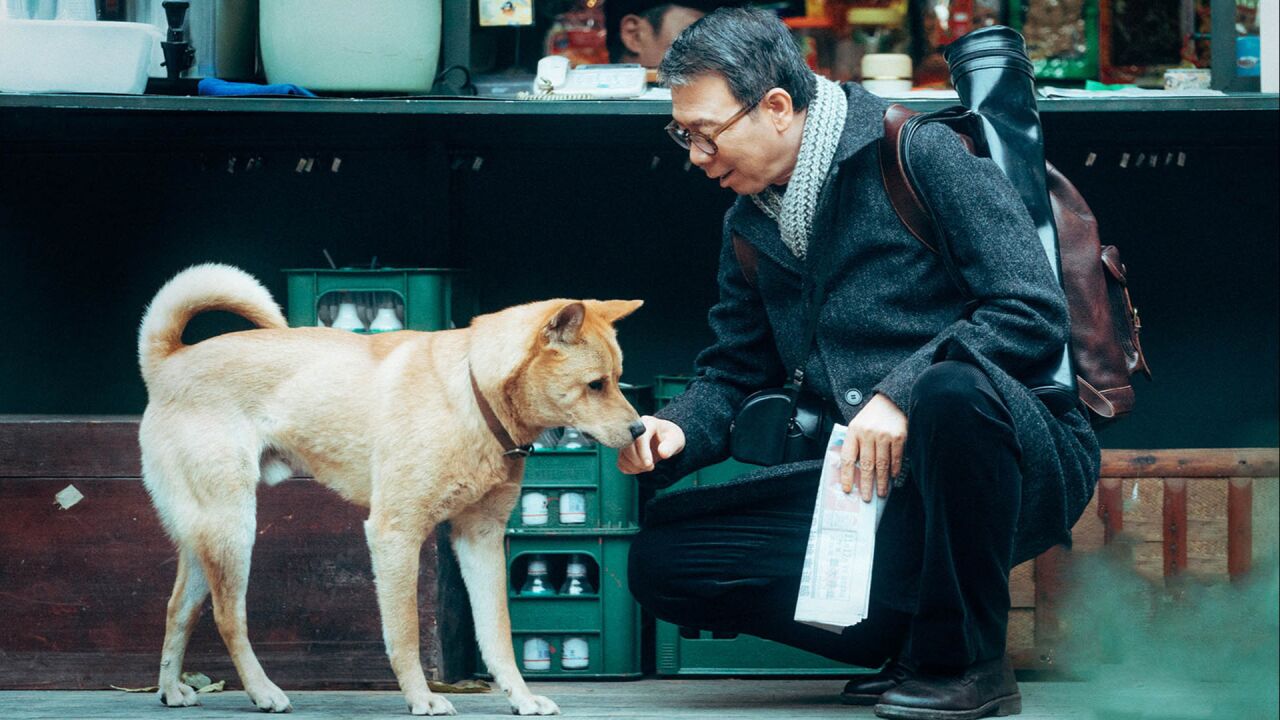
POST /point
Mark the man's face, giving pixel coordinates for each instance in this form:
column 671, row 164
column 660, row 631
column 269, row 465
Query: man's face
column 750, row 154
column 648, row 46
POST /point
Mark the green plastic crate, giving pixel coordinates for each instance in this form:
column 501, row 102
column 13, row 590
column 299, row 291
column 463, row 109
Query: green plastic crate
column 666, row 387
column 432, row 298
column 609, row 620
column 611, row 497
column 703, row 654
column 739, row 655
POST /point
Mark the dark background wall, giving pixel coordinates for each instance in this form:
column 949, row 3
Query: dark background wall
column 92, row 223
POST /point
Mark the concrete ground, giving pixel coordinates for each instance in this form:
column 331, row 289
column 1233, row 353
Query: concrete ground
column 704, row 699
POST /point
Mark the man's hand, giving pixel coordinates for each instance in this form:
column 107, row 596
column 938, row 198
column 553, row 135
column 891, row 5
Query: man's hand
column 872, row 451
column 661, row 440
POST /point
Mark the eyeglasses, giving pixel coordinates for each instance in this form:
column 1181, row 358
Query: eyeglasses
column 706, row 143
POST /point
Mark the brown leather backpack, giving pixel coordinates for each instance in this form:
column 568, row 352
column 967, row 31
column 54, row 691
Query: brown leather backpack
column 1105, row 349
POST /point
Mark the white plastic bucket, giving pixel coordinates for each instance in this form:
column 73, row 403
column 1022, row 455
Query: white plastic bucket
column 384, row 46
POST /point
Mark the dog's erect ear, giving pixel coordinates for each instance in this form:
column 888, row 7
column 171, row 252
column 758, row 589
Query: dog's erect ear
column 566, row 324
column 615, row 310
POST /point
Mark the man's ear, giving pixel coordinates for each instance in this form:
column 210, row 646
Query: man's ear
column 780, row 111
column 615, row 310
column 566, row 324
column 634, row 32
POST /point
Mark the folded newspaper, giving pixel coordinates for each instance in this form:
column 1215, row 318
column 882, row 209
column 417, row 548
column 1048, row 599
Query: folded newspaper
column 835, row 586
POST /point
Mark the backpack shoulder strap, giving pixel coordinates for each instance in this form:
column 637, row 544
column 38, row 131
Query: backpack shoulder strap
column 747, row 258
column 902, row 196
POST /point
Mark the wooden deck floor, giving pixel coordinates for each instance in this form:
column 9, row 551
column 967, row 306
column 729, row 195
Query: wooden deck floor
column 722, row 699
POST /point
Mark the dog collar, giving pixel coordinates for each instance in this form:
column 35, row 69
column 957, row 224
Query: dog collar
column 509, row 447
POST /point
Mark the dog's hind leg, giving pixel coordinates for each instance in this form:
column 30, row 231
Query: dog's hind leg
column 395, row 542
column 189, row 591
column 225, row 546
column 477, row 541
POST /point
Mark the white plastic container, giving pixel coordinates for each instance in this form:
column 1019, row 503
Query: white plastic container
column 38, row 56
column 886, row 74
column 385, row 46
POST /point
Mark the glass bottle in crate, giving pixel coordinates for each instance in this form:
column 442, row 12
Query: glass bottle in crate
column 347, row 317
column 573, row 508
column 575, row 581
column 385, row 319
column 537, row 581
column 533, row 508
column 575, row 654
column 537, row 654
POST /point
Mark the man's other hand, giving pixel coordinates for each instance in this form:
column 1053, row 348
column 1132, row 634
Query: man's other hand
column 872, row 451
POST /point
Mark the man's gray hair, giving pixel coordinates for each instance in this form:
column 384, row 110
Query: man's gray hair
column 751, row 49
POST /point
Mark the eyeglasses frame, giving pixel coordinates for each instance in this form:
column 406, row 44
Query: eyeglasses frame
column 685, row 137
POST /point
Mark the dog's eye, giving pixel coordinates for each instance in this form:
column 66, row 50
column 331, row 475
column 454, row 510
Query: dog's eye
column 596, row 385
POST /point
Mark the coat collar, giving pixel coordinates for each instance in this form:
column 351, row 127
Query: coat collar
column 863, row 125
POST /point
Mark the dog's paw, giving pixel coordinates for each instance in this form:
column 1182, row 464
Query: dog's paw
column 269, row 698
column 534, row 705
column 178, row 694
column 430, row 704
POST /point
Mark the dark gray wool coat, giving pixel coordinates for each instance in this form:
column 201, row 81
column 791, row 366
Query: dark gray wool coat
column 891, row 311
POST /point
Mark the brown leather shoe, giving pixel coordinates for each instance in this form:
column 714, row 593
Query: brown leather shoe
column 867, row 689
column 983, row 689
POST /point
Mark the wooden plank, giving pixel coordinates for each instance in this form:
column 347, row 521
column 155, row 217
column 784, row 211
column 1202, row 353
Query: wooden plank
column 1089, row 531
column 1022, row 629
column 1175, row 526
column 1266, row 508
column 1207, row 529
column 1239, row 527
column 88, row 585
column 1022, row 585
column 1188, row 463
column 1111, row 507
column 69, row 446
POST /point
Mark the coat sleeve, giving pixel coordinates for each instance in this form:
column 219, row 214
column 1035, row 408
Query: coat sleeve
column 1019, row 315
column 742, row 359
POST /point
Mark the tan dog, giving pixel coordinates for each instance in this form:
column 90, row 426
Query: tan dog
column 412, row 425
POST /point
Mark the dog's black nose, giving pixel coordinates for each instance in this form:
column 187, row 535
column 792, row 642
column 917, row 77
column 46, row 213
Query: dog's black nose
column 637, row 429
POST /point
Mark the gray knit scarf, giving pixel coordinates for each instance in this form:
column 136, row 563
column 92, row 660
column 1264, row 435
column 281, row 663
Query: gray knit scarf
column 794, row 209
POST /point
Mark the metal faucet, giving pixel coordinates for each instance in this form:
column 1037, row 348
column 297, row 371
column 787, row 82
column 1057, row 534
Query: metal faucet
column 178, row 51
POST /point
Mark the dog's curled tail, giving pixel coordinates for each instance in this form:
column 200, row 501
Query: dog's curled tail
column 195, row 290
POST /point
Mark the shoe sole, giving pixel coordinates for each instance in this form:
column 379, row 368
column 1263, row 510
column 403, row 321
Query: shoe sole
column 854, row 699
column 999, row 707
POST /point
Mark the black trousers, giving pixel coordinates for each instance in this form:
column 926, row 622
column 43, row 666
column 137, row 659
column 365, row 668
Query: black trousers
column 940, row 584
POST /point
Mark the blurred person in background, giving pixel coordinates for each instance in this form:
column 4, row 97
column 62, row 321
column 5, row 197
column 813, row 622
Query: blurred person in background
column 640, row 31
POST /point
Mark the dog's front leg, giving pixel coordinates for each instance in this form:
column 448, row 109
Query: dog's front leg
column 477, row 541
column 394, row 544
